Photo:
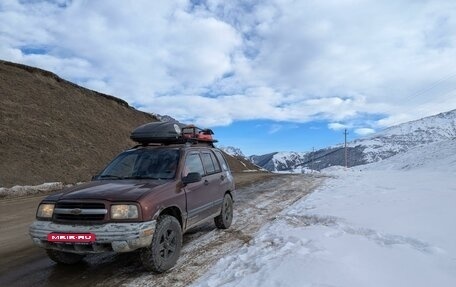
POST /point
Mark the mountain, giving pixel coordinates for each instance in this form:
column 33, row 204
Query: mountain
column 233, row 151
column 280, row 161
column 382, row 145
column 437, row 156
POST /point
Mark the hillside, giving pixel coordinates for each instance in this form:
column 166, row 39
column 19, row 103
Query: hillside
column 437, row 156
column 54, row 130
column 382, row 145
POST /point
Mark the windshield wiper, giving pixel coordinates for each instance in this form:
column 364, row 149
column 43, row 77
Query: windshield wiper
column 110, row 176
column 140, row 177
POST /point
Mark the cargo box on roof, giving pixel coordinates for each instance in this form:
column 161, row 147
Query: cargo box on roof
column 171, row 133
column 158, row 132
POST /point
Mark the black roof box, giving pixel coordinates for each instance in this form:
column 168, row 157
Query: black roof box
column 158, row 132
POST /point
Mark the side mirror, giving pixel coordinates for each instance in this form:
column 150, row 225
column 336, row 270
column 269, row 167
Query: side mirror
column 95, row 177
column 192, row 177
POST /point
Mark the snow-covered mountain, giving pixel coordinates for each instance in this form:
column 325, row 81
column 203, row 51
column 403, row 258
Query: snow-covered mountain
column 394, row 140
column 405, row 136
column 233, row 151
column 436, row 156
column 280, row 161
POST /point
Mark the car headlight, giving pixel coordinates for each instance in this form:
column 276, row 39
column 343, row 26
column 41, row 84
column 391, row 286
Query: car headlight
column 124, row 211
column 45, row 210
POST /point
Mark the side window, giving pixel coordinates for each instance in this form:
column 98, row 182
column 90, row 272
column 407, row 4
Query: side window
column 208, row 164
column 193, row 164
column 216, row 164
column 222, row 161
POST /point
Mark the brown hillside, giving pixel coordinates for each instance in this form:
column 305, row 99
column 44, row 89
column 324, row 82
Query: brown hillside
column 54, row 130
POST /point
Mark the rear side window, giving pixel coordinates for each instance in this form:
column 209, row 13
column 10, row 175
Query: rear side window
column 208, row 163
column 193, row 164
column 216, row 163
column 222, row 161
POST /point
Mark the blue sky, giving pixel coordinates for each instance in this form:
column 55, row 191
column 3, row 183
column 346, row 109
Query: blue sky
column 285, row 74
column 264, row 136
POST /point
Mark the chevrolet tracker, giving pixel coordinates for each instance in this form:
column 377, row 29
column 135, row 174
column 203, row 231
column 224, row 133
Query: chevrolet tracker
column 145, row 199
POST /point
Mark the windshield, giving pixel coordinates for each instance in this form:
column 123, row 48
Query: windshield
column 143, row 164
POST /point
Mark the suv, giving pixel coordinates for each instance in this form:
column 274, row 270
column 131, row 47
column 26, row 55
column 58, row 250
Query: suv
column 145, row 199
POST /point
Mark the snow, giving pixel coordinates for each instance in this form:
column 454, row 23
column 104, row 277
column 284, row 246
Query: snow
column 287, row 161
column 19, row 190
column 391, row 223
column 439, row 156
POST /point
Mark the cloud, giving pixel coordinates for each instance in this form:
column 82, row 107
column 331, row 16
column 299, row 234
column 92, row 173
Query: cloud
column 274, row 128
column 337, row 126
column 364, row 131
column 213, row 62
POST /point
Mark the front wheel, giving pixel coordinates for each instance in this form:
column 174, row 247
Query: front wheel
column 224, row 219
column 165, row 248
column 65, row 258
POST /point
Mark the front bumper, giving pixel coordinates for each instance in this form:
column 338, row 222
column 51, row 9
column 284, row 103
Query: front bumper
column 117, row 237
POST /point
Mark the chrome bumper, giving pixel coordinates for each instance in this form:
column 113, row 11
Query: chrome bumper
column 117, row 237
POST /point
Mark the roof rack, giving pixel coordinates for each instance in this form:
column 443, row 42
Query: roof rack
column 167, row 133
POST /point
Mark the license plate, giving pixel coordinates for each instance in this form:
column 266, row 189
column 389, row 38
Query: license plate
column 71, row 237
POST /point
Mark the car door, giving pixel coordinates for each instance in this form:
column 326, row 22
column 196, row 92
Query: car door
column 199, row 204
column 214, row 179
column 227, row 180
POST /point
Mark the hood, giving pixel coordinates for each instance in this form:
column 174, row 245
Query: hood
column 111, row 190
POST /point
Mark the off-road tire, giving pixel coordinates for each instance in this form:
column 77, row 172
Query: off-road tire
column 165, row 248
column 65, row 258
column 224, row 219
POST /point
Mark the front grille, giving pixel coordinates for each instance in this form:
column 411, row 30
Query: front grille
column 88, row 211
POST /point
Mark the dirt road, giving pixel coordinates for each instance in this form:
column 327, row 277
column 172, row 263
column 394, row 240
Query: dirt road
column 27, row 265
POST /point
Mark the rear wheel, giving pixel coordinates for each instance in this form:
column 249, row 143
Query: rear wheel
column 66, row 258
column 224, row 219
column 165, row 248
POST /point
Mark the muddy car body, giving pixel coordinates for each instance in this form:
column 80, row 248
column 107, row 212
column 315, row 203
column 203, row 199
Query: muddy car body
column 123, row 211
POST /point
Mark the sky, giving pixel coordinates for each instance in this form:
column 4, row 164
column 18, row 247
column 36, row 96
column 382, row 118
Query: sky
column 272, row 75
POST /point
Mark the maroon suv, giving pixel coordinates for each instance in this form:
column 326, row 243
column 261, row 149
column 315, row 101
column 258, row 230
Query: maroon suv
column 146, row 198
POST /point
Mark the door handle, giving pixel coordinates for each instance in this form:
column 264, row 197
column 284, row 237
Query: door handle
column 222, row 177
column 206, row 182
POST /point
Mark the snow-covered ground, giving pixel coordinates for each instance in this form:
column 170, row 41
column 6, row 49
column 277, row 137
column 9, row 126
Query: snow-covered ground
column 23, row 190
column 392, row 223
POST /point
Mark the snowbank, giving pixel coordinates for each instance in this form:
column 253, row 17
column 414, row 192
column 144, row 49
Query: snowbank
column 362, row 228
column 17, row 190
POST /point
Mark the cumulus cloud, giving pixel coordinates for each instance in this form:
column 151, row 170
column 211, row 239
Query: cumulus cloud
column 281, row 60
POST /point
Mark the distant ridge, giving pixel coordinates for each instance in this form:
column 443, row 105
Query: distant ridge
column 382, row 145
